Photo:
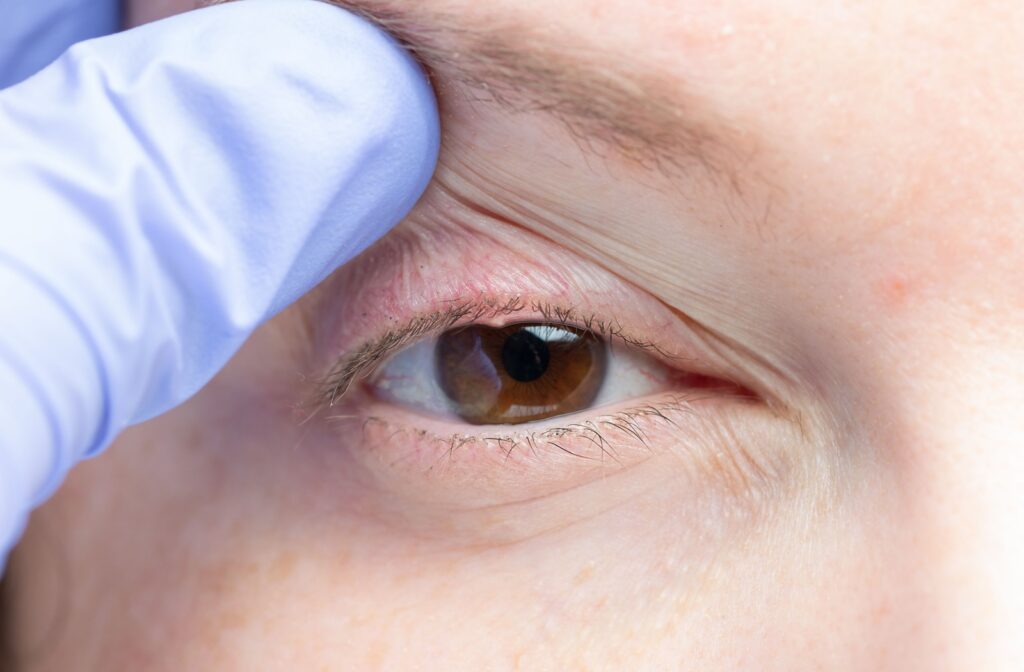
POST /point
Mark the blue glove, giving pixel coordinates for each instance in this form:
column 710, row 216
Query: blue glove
column 35, row 32
column 164, row 191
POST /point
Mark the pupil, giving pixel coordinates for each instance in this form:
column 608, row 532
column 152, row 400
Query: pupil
column 525, row 356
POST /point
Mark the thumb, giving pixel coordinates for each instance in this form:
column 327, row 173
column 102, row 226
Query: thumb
column 169, row 188
column 33, row 34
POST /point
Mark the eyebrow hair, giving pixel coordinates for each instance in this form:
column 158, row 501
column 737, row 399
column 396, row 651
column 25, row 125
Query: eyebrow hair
column 607, row 104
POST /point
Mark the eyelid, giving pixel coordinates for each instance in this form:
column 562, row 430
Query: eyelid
column 419, row 460
column 436, row 272
column 364, row 359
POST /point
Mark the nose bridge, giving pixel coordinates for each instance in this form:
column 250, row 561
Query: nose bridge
column 960, row 455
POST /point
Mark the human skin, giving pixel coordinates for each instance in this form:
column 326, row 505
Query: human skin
column 864, row 511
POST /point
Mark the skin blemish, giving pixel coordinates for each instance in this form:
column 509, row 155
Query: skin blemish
column 893, row 291
column 584, row 575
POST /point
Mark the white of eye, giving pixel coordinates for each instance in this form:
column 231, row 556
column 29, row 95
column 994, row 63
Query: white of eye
column 409, row 377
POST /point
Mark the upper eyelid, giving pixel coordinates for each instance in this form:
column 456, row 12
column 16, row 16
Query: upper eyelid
column 364, row 359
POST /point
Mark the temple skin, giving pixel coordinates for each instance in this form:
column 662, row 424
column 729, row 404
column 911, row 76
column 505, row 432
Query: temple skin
column 854, row 257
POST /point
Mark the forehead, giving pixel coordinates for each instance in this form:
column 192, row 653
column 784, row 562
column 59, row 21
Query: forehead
column 832, row 95
column 860, row 132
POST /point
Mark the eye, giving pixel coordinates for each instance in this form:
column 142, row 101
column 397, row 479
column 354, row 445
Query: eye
column 514, row 374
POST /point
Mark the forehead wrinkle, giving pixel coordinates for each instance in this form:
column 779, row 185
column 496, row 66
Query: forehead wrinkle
column 608, row 104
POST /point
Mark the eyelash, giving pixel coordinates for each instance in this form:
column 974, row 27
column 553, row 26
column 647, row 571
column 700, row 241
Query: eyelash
column 365, row 360
column 596, row 432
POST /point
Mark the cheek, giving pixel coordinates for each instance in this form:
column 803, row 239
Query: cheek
column 386, row 599
column 210, row 537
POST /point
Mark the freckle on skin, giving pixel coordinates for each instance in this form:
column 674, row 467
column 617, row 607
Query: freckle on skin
column 283, row 567
column 881, row 611
column 893, row 291
column 584, row 574
column 377, row 653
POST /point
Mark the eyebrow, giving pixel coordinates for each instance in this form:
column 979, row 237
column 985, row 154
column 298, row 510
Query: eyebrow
column 605, row 103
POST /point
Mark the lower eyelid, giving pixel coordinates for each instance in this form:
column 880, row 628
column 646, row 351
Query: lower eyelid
column 492, row 465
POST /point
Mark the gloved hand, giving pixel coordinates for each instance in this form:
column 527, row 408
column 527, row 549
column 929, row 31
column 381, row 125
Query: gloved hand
column 164, row 191
column 35, row 32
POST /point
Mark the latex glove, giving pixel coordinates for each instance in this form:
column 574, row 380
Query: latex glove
column 35, row 32
column 164, row 191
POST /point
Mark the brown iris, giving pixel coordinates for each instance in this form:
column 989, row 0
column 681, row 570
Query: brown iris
column 519, row 373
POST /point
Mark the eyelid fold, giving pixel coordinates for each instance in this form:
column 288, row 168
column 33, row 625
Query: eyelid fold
column 436, row 271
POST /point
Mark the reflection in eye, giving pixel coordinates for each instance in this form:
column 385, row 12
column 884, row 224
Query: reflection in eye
column 515, row 374
column 519, row 373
